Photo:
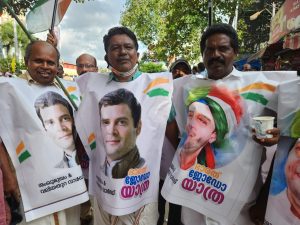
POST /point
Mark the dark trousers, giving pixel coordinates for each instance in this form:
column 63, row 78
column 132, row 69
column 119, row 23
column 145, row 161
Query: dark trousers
column 174, row 216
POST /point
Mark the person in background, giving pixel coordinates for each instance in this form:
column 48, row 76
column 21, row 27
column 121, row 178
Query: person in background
column 195, row 70
column 86, row 63
column 247, row 67
column 201, row 67
column 180, row 68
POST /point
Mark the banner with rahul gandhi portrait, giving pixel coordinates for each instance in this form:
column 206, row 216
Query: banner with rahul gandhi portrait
column 122, row 126
column 284, row 196
column 37, row 128
column 216, row 165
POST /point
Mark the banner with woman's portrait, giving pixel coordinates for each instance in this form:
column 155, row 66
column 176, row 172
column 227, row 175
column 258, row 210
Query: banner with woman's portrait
column 122, row 126
column 217, row 162
column 38, row 130
column 284, row 196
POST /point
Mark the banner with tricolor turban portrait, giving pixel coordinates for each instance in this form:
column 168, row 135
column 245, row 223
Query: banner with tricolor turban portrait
column 38, row 131
column 122, row 126
column 217, row 163
column 284, row 196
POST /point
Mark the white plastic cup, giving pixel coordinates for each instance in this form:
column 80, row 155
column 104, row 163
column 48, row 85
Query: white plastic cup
column 262, row 124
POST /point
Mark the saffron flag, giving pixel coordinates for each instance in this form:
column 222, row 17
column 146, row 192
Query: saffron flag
column 40, row 16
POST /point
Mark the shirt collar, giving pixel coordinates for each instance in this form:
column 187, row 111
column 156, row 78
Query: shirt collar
column 112, row 77
column 233, row 74
column 30, row 81
column 109, row 167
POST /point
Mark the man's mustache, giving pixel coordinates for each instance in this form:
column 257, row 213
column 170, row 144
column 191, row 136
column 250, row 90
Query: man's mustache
column 217, row 60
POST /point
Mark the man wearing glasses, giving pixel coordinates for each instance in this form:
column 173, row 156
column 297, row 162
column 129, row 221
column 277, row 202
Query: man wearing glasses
column 86, row 63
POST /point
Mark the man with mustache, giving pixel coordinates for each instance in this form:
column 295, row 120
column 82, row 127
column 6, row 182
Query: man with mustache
column 219, row 47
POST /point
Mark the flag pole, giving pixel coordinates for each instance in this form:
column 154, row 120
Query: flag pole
column 53, row 16
column 66, row 93
column 17, row 19
column 56, row 77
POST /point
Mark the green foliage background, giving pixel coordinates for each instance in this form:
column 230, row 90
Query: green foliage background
column 173, row 27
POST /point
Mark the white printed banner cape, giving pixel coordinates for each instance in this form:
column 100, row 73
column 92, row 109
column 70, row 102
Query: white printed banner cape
column 37, row 128
column 282, row 208
column 216, row 164
column 124, row 158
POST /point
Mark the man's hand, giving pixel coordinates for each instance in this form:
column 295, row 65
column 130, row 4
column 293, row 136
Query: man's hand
column 51, row 38
column 267, row 142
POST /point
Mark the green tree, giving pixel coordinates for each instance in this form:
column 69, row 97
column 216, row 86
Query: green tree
column 7, row 36
column 174, row 27
column 6, row 66
column 254, row 32
column 151, row 67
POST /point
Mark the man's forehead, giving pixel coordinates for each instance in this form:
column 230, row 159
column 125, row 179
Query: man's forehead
column 86, row 58
column 40, row 45
column 218, row 39
column 43, row 49
column 120, row 39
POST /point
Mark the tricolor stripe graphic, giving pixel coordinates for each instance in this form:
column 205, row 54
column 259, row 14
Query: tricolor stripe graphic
column 71, row 89
column 255, row 97
column 258, row 86
column 151, row 91
column 92, row 141
column 22, row 152
column 247, row 92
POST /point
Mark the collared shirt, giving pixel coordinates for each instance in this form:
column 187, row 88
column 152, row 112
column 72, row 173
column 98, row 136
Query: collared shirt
column 109, row 167
column 113, row 77
column 26, row 76
column 71, row 159
column 234, row 73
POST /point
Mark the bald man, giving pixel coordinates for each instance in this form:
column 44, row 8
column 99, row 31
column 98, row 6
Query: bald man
column 86, row 63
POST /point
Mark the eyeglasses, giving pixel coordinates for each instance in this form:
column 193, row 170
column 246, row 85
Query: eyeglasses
column 85, row 65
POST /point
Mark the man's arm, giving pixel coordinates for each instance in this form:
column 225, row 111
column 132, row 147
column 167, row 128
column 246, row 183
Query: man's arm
column 9, row 177
column 172, row 133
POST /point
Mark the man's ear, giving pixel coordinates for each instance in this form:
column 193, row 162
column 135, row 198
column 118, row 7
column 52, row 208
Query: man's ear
column 139, row 128
column 213, row 137
column 106, row 60
column 138, row 56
